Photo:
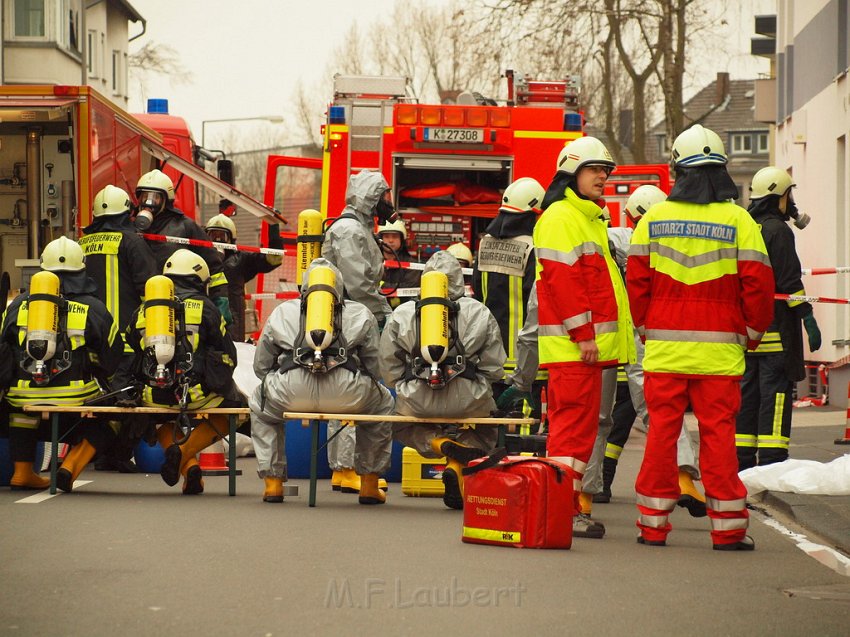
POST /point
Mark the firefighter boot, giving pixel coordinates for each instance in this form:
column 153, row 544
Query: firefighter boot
column 585, row 502
column 369, row 491
column 690, row 498
column 336, row 480
column 453, row 485
column 583, row 525
column 193, row 477
column 273, row 491
column 609, row 470
column 453, row 450
column 73, row 465
column 25, row 479
column 178, row 458
column 350, row 481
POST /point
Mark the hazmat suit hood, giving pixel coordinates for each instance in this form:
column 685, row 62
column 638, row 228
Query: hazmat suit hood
column 446, row 263
column 321, row 261
column 365, row 189
column 703, row 185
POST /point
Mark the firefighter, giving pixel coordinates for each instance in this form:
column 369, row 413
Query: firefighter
column 462, row 253
column 158, row 215
column 764, row 422
column 120, row 262
column 439, row 372
column 241, row 267
column 701, row 292
column 67, row 345
column 350, row 245
column 393, row 239
column 340, row 379
column 582, row 308
column 503, row 273
column 184, row 358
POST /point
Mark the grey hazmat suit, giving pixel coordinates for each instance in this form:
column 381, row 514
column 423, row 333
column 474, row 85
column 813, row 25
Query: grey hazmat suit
column 481, row 340
column 350, row 245
column 340, row 390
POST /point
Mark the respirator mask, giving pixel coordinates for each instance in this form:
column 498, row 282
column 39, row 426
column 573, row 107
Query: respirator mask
column 801, row 219
column 385, row 212
column 151, row 202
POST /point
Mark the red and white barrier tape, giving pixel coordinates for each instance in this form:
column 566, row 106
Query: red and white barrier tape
column 810, row 299
column 294, row 294
column 842, row 269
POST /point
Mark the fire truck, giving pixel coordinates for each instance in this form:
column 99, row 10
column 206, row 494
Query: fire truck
column 447, row 164
column 60, row 145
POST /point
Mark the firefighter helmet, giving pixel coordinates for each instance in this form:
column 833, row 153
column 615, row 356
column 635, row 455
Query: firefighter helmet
column 770, row 180
column 63, row 255
column 584, row 151
column 395, row 226
column 186, row 263
column 642, row 199
column 222, row 222
column 523, row 195
column 110, row 201
column 460, row 252
column 154, row 190
column 699, row 146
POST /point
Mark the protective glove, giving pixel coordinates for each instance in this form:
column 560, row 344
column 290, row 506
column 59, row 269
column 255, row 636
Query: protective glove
column 223, row 305
column 511, row 396
column 275, row 240
column 813, row 332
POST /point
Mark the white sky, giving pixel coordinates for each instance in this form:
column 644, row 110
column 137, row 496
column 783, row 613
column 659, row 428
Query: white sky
column 246, row 56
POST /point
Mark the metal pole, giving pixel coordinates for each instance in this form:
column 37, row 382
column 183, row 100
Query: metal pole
column 33, row 191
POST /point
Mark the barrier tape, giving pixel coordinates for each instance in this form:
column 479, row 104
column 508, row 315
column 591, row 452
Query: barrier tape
column 842, row 269
column 294, row 294
column 810, row 299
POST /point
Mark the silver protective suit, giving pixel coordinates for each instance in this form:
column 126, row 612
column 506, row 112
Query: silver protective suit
column 338, row 391
column 461, row 397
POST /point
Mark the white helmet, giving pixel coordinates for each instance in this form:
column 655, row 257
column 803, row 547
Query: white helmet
column 698, row 146
column 584, row 151
column 63, row 255
column 154, row 190
column 523, row 195
column 395, row 226
column 460, row 252
column 222, row 222
column 186, row 263
column 770, row 181
column 110, row 201
column 642, row 199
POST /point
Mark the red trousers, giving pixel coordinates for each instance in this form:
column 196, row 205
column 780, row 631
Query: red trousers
column 715, row 401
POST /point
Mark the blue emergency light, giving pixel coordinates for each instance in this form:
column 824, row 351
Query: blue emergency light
column 572, row 122
column 336, row 115
column 157, row 106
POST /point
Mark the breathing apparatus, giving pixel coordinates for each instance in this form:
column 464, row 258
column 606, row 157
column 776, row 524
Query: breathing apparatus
column 43, row 330
column 160, row 336
column 385, row 211
column 321, row 320
column 309, row 241
column 153, row 192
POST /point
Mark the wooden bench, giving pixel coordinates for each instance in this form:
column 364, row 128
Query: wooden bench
column 53, row 411
column 315, row 419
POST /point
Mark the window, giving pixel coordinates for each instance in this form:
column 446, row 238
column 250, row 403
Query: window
column 762, row 143
column 92, row 53
column 741, row 143
column 748, row 143
column 29, row 18
column 663, row 146
column 116, row 72
column 68, row 21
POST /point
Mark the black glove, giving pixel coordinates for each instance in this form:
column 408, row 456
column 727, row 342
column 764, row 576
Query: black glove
column 275, row 240
column 813, row 332
column 511, row 396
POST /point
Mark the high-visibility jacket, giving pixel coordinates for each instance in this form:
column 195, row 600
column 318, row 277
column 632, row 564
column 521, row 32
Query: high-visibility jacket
column 580, row 291
column 700, row 287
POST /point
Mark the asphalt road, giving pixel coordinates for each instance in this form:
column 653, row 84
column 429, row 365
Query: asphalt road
column 127, row 555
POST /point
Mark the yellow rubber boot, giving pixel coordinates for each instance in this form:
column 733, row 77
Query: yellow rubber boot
column 73, row 465
column 690, row 497
column 202, row 436
column 369, row 491
column 437, row 445
column 274, row 489
column 453, row 450
column 350, row 481
column 25, row 478
column 585, row 502
column 336, row 481
column 382, row 485
column 193, row 481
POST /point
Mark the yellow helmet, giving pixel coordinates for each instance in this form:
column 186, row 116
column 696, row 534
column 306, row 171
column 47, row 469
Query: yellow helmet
column 63, row 255
column 460, row 252
column 222, row 222
column 584, row 151
column 523, row 195
column 186, row 263
column 642, row 199
column 698, row 146
column 395, row 226
column 770, row 180
column 110, row 201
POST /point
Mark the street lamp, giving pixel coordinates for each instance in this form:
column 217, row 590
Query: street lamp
column 274, row 119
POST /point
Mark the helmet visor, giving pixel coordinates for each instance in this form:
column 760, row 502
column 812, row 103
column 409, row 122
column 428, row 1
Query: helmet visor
column 152, row 200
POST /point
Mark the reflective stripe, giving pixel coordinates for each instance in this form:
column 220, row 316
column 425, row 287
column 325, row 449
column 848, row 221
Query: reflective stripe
column 613, row 451
column 218, row 279
column 576, row 465
column 693, row 336
column 778, row 408
column 659, row 504
column 568, row 258
column 745, row 440
column 726, row 506
column 508, row 537
column 686, row 261
column 639, row 250
column 796, row 303
column 641, row 330
column 771, row 343
column 753, row 255
column 608, row 327
column 24, row 421
column 773, row 442
column 653, row 521
column 729, row 524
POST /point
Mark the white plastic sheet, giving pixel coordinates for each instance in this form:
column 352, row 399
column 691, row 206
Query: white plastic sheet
column 244, row 376
column 805, row 477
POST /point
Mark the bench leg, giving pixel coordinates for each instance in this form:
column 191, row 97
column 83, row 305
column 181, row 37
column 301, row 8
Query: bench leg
column 314, row 453
column 231, row 455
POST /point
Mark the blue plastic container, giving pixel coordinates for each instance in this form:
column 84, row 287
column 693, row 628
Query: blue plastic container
column 7, row 467
column 149, row 459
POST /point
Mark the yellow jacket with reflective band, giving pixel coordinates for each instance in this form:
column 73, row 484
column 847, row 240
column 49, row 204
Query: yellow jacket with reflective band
column 580, row 290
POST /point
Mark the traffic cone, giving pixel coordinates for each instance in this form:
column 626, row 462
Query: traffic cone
column 846, row 439
column 212, row 460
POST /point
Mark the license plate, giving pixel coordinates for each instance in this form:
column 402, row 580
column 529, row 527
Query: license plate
column 454, row 135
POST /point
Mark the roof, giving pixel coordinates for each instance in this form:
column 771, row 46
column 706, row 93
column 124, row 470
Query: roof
column 128, row 8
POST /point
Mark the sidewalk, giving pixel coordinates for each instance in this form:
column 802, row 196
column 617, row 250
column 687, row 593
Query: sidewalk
column 827, row 518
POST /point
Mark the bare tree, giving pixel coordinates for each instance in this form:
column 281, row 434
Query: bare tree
column 157, row 59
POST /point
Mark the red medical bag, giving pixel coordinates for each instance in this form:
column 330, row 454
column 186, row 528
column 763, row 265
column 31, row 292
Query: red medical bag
column 518, row 501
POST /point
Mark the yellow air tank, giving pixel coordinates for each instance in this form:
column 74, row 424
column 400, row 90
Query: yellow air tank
column 309, row 240
column 159, row 323
column 319, row 324
column 42, row 320
column 434, row 322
